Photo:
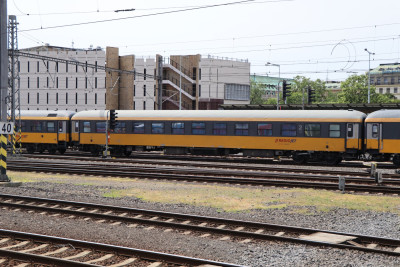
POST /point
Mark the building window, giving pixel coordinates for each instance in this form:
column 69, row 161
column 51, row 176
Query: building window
column 144, row 74
column 95, row 82
column 138, row 128
column 237, row 92
column 144, row 90
column 289, row 129
column 385, row 80
column 86, row 82
column 47, row 98
column 395, row 90
column 57, row 82
column 28, row 98
column 28, row 83
column 76, row 82
column 66, row 98
column 199, row 74
column 95, row 98
column 381, row 90
column 28, row 66
column 134, row 90
column 178, row 128
column 37, row 82
column 157, row 128
column 334, row 130
column 392, row 80
column 155, row 90
column 47, row 66
column 241, row 129
column 66, row 66
column 76, row 98
column 219, row 128
column 57, row 98
column 198, row 128
column 47, row 82
column 85, row 98
column 76, row 67
column 37, row 67
column 66, row 82
column 264, row 129
column 56, row 66
column 387, row 90
column 86, row 66
column 378, row 80
column 312, row 130
column 144, row 105
column 199, row 90
column 95, row 66
column 37, row 98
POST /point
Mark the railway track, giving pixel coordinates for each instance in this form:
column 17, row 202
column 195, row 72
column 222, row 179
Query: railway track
column 23, row 249
column 201, row 226
column 261, row 178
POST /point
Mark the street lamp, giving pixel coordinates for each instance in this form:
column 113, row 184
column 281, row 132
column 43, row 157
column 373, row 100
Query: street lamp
column 369, row 74
column 277, row 97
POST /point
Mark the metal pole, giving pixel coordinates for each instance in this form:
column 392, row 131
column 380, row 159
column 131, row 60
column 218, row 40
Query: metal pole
column 279, row 76
column 3, row 60
column 3, row 86
column 302, row 96
column 180, row 82
column 369, row 74
column 107, row 127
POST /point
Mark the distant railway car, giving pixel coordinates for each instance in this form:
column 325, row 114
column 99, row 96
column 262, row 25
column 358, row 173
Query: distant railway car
column 328, row 135
column 45, row 130
column 382, row 140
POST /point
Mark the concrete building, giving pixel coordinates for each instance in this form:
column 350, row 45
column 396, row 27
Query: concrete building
column 268, row 83
column 190, row 81
column 386, row 79
column 333, row 86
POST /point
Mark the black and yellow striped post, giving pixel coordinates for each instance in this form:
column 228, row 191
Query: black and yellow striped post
column 3, row 159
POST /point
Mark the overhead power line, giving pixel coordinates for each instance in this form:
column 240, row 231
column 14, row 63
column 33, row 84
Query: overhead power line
column 141, row 16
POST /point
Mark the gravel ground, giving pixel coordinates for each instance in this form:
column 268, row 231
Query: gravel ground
column 251, row 254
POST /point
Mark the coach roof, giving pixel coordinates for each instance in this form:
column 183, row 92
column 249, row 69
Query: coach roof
column 46, row 113
column 241, row 115
column 384, row 115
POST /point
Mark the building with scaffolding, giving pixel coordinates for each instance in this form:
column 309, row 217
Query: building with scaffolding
column 59, row 78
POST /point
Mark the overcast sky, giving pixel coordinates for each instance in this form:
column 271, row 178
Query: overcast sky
column 313, row 38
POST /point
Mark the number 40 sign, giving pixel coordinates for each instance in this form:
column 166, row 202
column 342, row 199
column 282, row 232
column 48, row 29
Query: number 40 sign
column 6, row 127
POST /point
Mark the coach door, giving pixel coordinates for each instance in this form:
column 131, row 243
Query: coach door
column 352, row 136
column 62, row 131
column 374, row 136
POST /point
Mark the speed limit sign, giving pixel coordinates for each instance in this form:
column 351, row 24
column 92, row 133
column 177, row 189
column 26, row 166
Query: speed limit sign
column 6, row 127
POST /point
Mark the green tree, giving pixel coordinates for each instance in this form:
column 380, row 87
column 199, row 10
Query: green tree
column 355, row 90
column 257, row 91
column 300, row 85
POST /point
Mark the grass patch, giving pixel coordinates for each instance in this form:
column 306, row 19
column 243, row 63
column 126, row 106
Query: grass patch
column 220, row 197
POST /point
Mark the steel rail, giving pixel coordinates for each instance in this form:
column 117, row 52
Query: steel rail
column 120, row 250
column 165, row 222
column 265, row 179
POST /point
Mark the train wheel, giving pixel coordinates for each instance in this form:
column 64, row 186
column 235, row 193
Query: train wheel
column 127, row 153
column 333, row 159
column 300, row 159
column 52, row 151
column 62, row 150
column 396, row 160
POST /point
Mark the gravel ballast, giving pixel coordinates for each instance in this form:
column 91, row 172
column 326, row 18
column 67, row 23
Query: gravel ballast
column 250, row 254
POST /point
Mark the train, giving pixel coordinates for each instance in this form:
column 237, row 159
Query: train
column 328, row 136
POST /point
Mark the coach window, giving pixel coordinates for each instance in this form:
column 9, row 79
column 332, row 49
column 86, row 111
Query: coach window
column 86, row 126
column 77, row 126
column 51, row 127
column 157, row 128
column 100, row 127
column 178, row 128
column 37, row 126
column 334, row 130
column 312, row 130
column 241, row 129
column 219, row 128
column 350, row 130
column 138, row 128
column 375, row 130
column 23, row 126
column 198, row 128
column 264, row 129
column 120, row 127
column 60, row 126
column 289, row 129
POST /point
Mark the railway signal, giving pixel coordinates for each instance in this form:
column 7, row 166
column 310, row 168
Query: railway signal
column 311, row 95
column 113, row 117
column 285, row 90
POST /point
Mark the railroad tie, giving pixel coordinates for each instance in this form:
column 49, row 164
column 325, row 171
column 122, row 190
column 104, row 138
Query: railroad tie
column 34, row 249
column 55, row 251
column 83, row 253
column 397, row 250
column 22, row 264
column 105, row 257
column 245, row 241
column 123, row 263
column 21, row 244
column 280, row 234
column 155, row 264
column 4, row 240
column 2, row 260
column 372, row 245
